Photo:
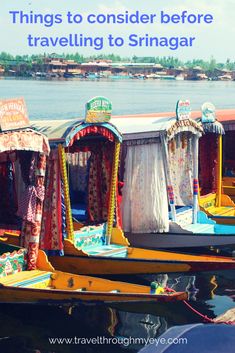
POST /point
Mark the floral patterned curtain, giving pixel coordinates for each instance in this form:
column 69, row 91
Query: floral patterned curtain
column 180, row 154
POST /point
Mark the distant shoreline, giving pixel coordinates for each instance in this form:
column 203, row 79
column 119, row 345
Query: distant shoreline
column 104, row 79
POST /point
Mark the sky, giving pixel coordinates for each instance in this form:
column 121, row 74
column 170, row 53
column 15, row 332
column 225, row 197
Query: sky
column 212, row 40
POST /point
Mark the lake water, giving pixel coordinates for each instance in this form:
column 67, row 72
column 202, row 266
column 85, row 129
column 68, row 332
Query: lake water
column 60, row 99
column 26, row 329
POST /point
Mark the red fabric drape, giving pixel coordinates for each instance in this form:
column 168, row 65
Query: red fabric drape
column 208, row 149
column 51, row 233
column 31, row 228
column 99, row 177
column 93, row 130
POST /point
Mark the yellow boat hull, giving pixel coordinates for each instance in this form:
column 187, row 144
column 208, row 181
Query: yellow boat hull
column 45, row 285
column 111, row 266
column 40, row 296
column 138, row 261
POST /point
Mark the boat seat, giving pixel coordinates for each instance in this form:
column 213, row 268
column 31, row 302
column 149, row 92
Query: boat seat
column 12, row 261
column 221, row 211
column 32, row 279
column 91, row 239
column 90, row 236
column 112, row 250
column 208, row 203
column 184, row 215
column 230, row 191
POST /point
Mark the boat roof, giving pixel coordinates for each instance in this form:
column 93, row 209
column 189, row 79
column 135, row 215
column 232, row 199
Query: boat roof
column 135, row 128
column 224, row 116
column 63, row 131
column 24, row 140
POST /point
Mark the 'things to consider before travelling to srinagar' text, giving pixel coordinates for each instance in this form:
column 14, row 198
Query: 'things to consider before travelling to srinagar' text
column 137, row 21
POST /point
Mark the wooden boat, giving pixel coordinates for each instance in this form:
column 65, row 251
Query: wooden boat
column 103, row 260
column 100, row 247
column 150, row 219
column 23, row 154
column 228, row 182
column 44, row 285
column 217, row 205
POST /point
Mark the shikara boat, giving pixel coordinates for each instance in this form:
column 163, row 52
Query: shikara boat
column 217, row 205
column 160, row 157
column 81, row 219
column 23, row 154
column 45, row 285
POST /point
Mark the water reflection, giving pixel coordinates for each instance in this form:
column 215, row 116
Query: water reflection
column 27, row 328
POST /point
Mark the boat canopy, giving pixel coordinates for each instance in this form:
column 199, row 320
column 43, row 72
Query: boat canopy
column 134, row 128
column 82, row 176
column 214, row 128
column 211, row 156
column 23, row 156
column 131, row 128
column 65, row 132
column 160, row 169
column 24, row 140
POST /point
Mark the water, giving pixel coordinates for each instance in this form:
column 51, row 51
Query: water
column 60, row 99
column 27, row 328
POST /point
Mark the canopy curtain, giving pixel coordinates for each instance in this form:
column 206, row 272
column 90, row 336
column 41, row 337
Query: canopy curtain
column 99, row 177
column 77, row 163
column 144, row 201
column 8, row 199
column 31, row 206
column 53, row 219
column 180, row 158
column 208, row 150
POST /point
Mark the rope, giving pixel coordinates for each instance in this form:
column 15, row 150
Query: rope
column 204, row 317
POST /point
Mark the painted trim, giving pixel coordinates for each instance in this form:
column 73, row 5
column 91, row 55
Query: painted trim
column 63, row 170
column 82, row 126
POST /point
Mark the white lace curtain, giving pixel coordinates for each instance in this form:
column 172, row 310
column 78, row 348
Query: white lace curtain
column 144, row 203
column 180, row 153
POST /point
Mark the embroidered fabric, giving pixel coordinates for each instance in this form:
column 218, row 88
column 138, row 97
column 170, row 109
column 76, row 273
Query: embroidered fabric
column 28, row 203
column 180, row 158
column 144, row 203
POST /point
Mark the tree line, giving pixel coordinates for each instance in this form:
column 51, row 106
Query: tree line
column 210, row 65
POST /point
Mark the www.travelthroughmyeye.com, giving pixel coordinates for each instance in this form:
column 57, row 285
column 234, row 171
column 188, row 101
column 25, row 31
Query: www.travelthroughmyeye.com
column 125, row 341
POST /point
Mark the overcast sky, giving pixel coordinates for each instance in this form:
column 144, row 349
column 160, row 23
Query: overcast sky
column 216, row 39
